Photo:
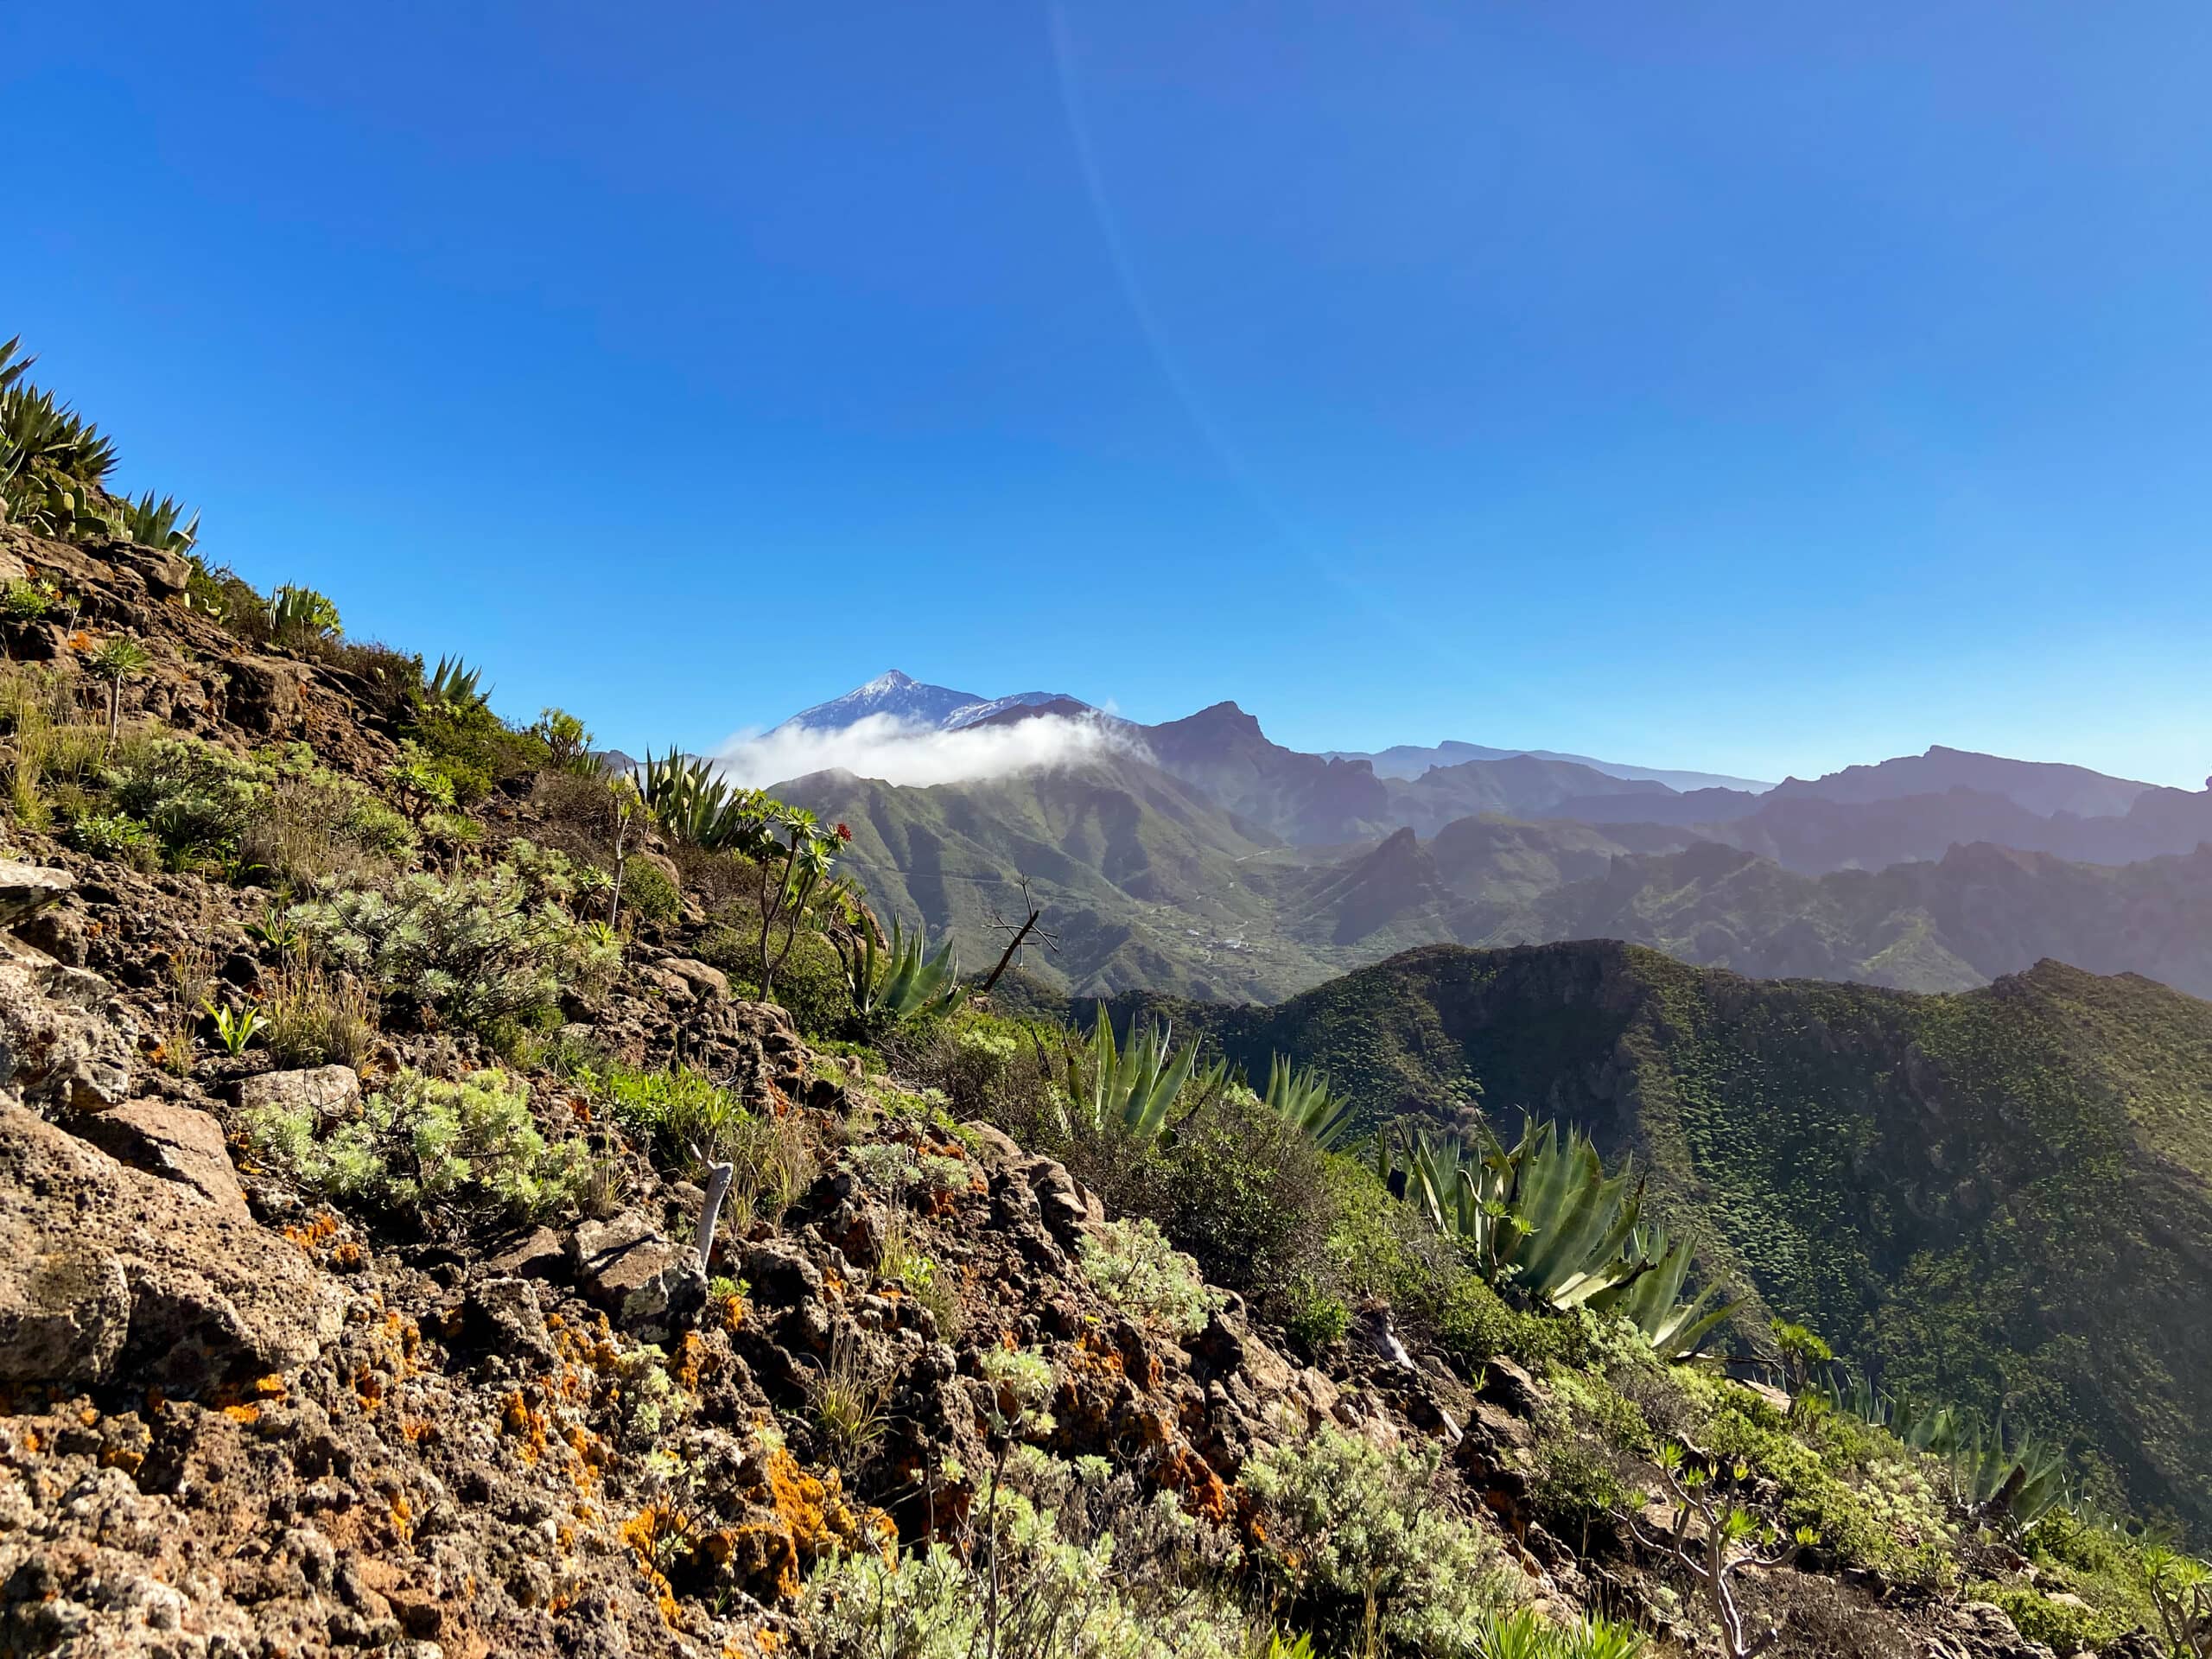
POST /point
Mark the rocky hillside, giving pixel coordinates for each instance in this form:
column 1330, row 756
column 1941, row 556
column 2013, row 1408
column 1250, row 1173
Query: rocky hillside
column 452, row 1204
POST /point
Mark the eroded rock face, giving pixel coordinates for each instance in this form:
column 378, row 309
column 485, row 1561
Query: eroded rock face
column 65, row 1041
column 104, row 1268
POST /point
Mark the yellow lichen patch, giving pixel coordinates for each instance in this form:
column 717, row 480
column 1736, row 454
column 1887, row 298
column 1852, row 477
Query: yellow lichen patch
column 403, row 1517
column 655, row 1528
column 315, row 1233
column 417, row 1430
column 524, row 1422
column 123, row 1458
column 732, row 1313
column 592, row 1453
column 243, row 1414
column 690, row 1358
column 271, row 1387
column 368, row 1387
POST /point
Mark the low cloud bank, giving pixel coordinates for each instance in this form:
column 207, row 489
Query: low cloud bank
column 906, row 752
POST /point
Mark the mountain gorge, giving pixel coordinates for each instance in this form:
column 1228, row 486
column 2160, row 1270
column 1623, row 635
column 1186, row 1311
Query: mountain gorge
column 1199, row 857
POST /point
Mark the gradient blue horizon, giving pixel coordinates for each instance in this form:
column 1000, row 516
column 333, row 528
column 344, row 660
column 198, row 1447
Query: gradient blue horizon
column 1730, row 388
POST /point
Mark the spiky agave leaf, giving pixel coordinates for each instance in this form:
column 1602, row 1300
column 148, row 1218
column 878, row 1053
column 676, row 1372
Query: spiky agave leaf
column 53, row 436
column 887, row 991
column 1300, row 1097
column 154, row 524
column 12, row 368
column 454, row 685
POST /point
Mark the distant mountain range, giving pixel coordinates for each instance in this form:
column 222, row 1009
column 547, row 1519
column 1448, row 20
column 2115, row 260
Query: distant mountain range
column 1200, row 858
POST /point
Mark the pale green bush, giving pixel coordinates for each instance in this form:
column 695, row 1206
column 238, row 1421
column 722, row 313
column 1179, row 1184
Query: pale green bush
column 480, row 950
column 1137, row 1269
column 421, row 1145
column 1357, row 1538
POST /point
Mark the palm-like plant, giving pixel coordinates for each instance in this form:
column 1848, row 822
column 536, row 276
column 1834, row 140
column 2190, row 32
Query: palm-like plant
column 1127, row 1090
column 890, row 988
column 1300, row 1097
column 2181, row 1588
column 154, row 524
column 120, row 659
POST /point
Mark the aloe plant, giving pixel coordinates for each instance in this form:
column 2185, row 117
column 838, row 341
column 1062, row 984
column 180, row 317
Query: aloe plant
column 120, row 659
column 889, row 988
column 1127, row 1089
column 1301, row 1098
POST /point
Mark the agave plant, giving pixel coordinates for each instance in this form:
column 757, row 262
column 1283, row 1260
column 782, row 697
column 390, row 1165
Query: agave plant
column 694, row 803
column 1544, row 1216
column 453, row 684
column 154, row 524
column 1300, row 1097
column 1128, row 1090
column 891, row 987
column 12, row 368
column 295, row 613
column 54, row 437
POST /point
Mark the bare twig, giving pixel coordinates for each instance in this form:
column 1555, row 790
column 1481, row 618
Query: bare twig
column 998, row 923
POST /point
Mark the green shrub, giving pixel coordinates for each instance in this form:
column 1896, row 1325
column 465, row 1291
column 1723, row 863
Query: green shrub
column 1118, row 1596
column 647, row 892
column 1137, row 1269
column 479, row 950
column 1351, row 1533
column 22, row 600
column 1246, row 1194
column 810, row 986
column 421, row 1146
column 297, row 614
column 118, row 837
column 195, row 798
column 474, row 749
column 2060, row 1625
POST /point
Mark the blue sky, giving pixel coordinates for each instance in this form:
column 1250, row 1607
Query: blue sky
column 1734, row 386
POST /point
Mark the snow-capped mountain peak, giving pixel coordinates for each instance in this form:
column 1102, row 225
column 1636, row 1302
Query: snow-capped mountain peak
column 911, row 701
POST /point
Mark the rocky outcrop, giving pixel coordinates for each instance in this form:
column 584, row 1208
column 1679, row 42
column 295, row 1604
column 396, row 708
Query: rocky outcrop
column 106, row 1271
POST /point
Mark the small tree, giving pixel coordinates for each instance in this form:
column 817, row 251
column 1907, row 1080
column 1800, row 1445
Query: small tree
column 1729, row 1540
column 120, row 659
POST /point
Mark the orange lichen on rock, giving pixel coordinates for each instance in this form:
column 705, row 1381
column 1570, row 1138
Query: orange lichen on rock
column 1204, row 1493
column 652, row 1530
column 525, row 1423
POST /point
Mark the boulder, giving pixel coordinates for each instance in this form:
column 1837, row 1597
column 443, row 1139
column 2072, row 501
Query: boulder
column 176, row 1142
column 332, row 1093
column 106, row 1270
column 703, row 980
column 539, row 1254
column 64, row 1038
column 503, row 1316
column 645, row 1280
column 26, row 889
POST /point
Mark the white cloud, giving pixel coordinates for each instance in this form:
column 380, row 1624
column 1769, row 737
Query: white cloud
column 906, row 752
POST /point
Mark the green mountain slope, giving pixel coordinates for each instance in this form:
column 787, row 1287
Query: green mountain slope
column 1147, row 882
column 2002, row 1197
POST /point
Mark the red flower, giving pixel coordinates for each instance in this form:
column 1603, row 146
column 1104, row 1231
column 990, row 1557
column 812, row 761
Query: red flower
column 843, row 833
